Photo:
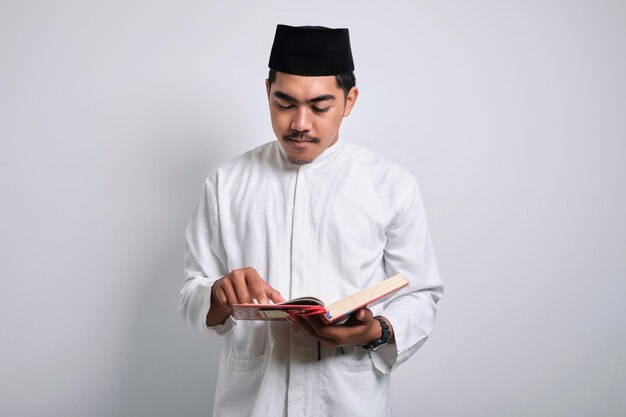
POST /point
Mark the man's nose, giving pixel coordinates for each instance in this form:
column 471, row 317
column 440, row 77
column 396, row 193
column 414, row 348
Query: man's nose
column 301, row 120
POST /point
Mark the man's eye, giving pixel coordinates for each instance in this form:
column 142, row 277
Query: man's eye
column 289, row 106
column 318, row 110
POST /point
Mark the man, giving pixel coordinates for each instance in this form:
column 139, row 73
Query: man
column 309, row 214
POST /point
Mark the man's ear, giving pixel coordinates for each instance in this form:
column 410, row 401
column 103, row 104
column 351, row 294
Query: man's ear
column 350, row 100
column 267, row 88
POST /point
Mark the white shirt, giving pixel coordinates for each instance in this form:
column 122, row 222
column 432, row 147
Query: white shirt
column 328, row 229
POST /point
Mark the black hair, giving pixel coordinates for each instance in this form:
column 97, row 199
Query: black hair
column 345, row 81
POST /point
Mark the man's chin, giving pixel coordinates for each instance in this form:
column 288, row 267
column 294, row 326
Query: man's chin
column 297, row 155
column 301, row 158
column 299, row 161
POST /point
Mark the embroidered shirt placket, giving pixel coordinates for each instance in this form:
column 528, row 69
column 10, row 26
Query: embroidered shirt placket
column 300, row 350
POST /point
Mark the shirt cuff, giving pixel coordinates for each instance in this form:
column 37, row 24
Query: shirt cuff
column 385, row 357
column 222, row 329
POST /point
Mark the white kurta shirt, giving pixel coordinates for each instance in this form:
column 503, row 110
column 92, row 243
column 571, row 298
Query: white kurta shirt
column 328, row 229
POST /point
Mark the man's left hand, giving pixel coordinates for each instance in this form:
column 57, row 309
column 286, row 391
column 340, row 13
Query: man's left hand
column 360, row 329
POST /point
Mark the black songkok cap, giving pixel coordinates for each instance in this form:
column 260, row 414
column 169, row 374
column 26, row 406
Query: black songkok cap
column 311, row 51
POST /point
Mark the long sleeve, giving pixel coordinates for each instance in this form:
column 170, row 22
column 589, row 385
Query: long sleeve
column 411, row 311
column 205, row 262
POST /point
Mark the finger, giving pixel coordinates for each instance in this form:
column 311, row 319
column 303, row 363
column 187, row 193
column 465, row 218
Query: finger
column 255, row 285
column 341, row 333
column 315, row 322
column 257, row 290
column 221, row 296
column 231, row 296
column 308, row 328
column 322, row 330
column 364, row 315
column 260, row 296
column 305, row 325
column 274, row 294
column 238, row 278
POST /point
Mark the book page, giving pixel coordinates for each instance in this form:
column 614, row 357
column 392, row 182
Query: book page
column 303, row 301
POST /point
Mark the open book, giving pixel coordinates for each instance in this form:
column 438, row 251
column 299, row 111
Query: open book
column 308, row 306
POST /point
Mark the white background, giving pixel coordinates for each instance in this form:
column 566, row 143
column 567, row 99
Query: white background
column 512, row 115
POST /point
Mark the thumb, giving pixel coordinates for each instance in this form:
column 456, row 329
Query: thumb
column 364, row 315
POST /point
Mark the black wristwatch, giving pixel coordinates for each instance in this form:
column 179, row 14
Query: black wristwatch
column 384, row 338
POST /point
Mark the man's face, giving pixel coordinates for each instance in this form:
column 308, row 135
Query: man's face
column 306, row 113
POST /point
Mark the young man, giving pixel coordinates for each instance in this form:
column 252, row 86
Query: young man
column 309, row 214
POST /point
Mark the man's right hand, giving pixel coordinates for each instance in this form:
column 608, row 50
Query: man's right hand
column 238, row 287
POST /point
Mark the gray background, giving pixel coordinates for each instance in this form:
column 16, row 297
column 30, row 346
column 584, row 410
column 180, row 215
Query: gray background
column 511, row 114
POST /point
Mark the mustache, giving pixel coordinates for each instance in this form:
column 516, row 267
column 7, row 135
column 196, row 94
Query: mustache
column 301, row 136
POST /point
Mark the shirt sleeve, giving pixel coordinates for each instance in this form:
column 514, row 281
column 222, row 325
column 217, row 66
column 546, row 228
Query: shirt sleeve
column 411, row 311
column 205, row 263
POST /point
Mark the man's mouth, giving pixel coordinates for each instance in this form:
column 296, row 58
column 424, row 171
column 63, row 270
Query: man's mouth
column 300, row 139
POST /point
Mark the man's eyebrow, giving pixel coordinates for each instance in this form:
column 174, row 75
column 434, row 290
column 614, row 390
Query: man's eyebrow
column 322, row 98
column 284, row 96
column 287, row 97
